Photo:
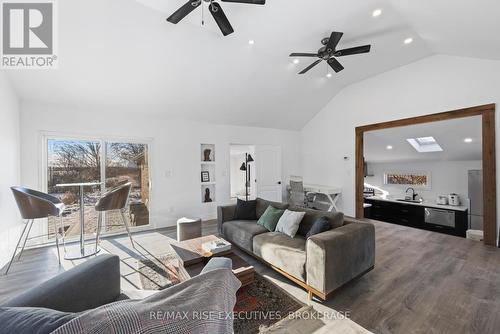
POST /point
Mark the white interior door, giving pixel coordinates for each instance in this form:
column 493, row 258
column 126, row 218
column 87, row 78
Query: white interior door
column 269, row 181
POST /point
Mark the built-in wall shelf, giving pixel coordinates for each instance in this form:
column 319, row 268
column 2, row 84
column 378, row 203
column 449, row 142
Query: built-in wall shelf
column 207, row 173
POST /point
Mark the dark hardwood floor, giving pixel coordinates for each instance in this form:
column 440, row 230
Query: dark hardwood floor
column 423, row 282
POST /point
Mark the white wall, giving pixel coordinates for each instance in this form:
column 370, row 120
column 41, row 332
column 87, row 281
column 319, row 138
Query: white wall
column 431, row 85
column 446, row 177
column 175, row 152
column 9, row 176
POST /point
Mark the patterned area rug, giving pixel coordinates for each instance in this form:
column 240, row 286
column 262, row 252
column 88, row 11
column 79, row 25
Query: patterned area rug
column 258, row 306
column 261, row 304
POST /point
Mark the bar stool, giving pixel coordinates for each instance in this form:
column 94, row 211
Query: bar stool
column 33, row 205
column 114, row 199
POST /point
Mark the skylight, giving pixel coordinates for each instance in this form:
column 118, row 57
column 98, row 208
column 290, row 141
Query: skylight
column 425, row 144
column 426, row 140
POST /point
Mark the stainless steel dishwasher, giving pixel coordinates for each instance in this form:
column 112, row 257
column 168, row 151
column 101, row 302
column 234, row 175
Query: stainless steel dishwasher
column 440, row 217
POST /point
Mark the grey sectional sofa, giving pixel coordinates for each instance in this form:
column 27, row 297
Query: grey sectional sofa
column 320, row 264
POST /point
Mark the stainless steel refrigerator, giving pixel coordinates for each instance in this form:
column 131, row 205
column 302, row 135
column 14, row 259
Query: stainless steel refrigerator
column 476, row 199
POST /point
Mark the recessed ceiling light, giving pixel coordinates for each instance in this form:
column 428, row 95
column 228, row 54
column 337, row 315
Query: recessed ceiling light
column 377, row 12
column 468, row 140
column 329, row 75
column 389, row 147
column 409, row 40
column 296, row 61
column 251, row 42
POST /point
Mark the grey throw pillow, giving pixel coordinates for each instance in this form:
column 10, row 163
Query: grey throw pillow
column 245, row 210
column 289, row 222
column 320, row 225
column 32, row 320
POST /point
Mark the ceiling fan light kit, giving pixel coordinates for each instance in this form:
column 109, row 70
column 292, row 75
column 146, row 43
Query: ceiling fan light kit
column 214, row 8
column 328, row 52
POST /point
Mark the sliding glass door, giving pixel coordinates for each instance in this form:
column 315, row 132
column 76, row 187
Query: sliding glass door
column 109, row 163
column 128, row 162
column 69, row 162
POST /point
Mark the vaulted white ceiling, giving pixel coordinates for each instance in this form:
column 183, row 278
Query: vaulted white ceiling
column 123, row 55
column 449, row 134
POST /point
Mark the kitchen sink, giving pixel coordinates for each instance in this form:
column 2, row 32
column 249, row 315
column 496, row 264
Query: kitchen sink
column 409, row 200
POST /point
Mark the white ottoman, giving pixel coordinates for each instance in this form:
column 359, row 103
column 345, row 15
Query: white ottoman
column 188, row 228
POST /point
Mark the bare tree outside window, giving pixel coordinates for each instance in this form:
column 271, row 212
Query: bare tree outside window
column 74, row 161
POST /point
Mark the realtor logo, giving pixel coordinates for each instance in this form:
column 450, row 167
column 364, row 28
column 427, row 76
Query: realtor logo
column 28, row 34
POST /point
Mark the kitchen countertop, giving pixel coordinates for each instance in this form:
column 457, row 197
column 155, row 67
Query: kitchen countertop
column 424, row 204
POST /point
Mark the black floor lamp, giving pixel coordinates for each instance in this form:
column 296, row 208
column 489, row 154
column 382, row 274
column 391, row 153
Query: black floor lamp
column 245, row 166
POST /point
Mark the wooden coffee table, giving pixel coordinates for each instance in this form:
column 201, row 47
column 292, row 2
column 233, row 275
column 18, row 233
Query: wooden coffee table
column 193, row 258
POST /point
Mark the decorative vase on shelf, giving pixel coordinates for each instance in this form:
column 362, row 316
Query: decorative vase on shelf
column 206, row 154
column 207, row 196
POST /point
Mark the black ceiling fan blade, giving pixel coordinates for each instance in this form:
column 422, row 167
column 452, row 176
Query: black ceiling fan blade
column 334, row 63
column 353, row 51
column 220, row 18
column 184, row 11
column 310, row 66
column 334, row 40
column 252, row 2
column 303, row 55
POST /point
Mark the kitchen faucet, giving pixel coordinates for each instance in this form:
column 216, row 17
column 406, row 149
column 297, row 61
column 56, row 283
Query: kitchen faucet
column 414, row 195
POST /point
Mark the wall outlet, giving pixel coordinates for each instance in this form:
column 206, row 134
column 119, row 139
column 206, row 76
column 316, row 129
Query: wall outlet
column 168, row 173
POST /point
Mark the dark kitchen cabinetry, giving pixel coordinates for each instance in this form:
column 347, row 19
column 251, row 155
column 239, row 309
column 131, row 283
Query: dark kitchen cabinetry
column 414, row 216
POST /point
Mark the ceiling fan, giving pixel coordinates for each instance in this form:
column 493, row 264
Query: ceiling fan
column 214, row 8
column 329, row 51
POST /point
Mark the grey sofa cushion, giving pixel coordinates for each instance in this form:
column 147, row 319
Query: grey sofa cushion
column 283, row 252
column 32, row 320
column 86, row 286
column 262, row 205
column 336, row 219
column 241, row 232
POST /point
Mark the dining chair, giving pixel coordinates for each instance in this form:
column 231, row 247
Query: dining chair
column 33, row 205
column 115, row 199
column 297, row 194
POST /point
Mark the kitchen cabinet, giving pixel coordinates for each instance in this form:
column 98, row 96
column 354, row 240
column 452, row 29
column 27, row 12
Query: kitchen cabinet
column 413, row 215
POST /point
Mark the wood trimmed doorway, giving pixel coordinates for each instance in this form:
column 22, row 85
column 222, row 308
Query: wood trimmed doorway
column 487, row 112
